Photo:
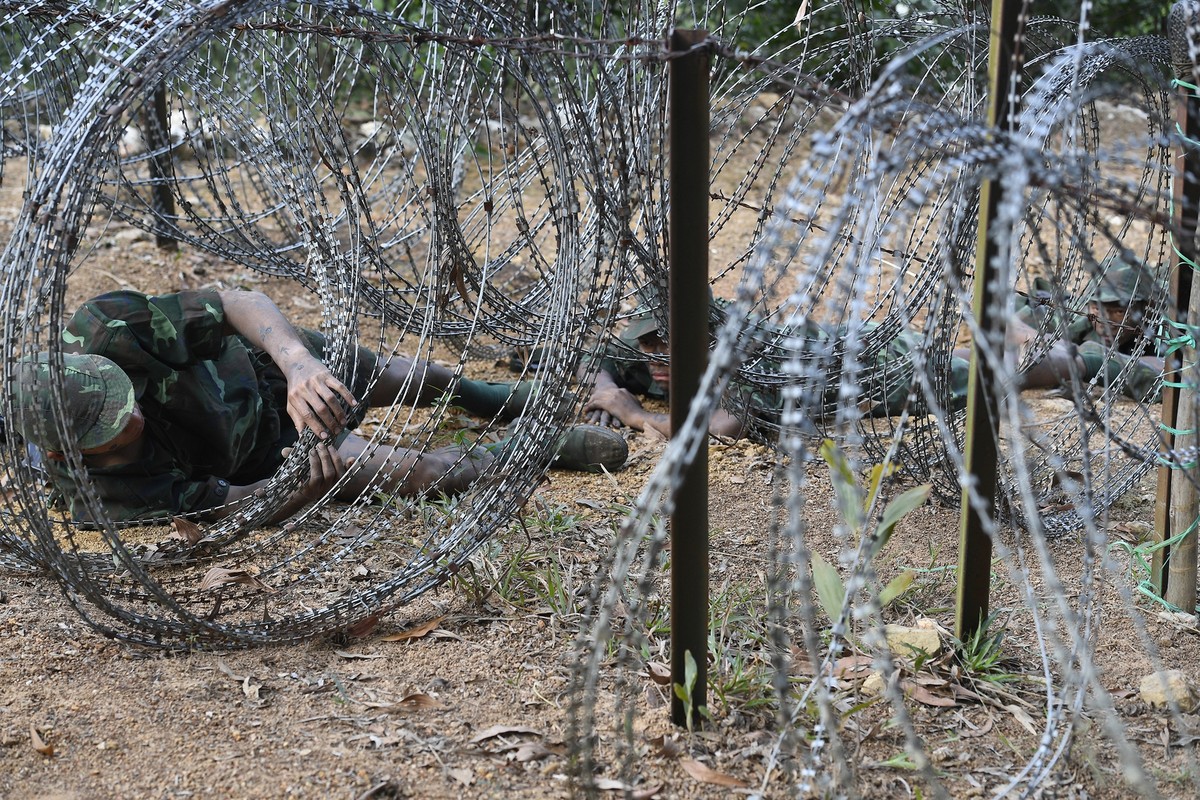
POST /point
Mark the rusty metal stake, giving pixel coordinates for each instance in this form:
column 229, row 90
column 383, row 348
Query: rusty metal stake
column 688, row 251
column 980, row 450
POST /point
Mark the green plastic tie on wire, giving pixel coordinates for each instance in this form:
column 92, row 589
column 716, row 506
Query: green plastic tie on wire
column 1140, row 557
column 1174, row 345
column 1186, row 337
column 1176, row 431
column 1183, row 257
column 1191, row 262
column 1147, row 588
column 1185, row 137
column 1137, row 562
column 1176, row 83
column 1163, row 461
column 1176, row 324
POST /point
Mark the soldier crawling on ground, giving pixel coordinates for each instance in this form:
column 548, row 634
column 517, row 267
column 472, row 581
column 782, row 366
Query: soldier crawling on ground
column 1097, row 344
column 1116, row 334
column 190, row 402
column 621, row 378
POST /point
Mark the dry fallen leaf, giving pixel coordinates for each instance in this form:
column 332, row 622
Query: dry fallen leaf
column 609, row 785
column 464, row 776
column 1021, row 716
column 670, row 747
column 503, row 730
column 187, row 530
column 357, row 630
column 417, row 701
column 424, row 629
column 982, row 730
column 706, row 774
column 595, row 505
column 38, row 742
column 930, row 680
column 646, row 793
column 926, row 697
column 532, row 751
column 961, row 691
column 659, row 673
column 221, row 665
column 801, row 16
column 360, row 656
column 460, row 283
column 852, row 667
column 220, row 576
column 637, row 793
column 1133, row 531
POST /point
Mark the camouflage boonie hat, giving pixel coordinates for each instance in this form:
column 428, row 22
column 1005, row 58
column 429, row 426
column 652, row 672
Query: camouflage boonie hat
column 1125, row 283
column 642, row 324
column 98, row 400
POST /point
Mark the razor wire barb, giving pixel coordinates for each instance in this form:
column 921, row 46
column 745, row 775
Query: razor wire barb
column 488, row 176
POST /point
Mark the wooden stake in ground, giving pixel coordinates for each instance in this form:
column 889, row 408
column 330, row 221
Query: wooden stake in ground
column 1184, row 500
column 156, row 128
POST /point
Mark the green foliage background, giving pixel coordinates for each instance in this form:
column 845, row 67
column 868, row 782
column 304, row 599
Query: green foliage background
column 764, row 18
column 1122, row 18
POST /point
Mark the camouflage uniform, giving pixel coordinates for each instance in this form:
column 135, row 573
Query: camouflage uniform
column 215, row 407
column 885, row 382
column 1120, row 285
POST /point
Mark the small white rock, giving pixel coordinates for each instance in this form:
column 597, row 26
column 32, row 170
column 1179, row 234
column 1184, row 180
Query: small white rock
column 907, row 642
column 1160, row 688
column 1180, row 618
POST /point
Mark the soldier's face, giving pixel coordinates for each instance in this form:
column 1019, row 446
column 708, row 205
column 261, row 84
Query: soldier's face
column 1116, row 323
column 660, row 371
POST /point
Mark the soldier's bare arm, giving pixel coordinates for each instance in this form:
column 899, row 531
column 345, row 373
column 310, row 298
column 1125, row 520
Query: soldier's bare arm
column 316, row 399
column 325, row 465
column 622, row 405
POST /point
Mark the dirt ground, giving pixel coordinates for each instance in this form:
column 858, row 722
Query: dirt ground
column 474, row 702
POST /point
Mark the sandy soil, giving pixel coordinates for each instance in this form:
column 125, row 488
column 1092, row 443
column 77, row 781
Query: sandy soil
column 475, row 703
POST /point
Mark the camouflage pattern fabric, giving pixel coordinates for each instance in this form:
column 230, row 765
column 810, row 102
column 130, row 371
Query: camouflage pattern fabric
column 215, row 408
column 1125, row 283
column 1141, row 381
column 1122, row 285
column 98, row 400
column 886, row 381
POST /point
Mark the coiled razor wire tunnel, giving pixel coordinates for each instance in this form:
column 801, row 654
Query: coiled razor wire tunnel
column 482, row 176
column 873, row 235
column 381, row 229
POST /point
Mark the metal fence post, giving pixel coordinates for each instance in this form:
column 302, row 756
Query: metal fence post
column 687, row 231
column 980, row 450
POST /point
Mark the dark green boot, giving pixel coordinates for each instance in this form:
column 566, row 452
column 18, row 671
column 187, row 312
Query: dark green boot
column 591, row 448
